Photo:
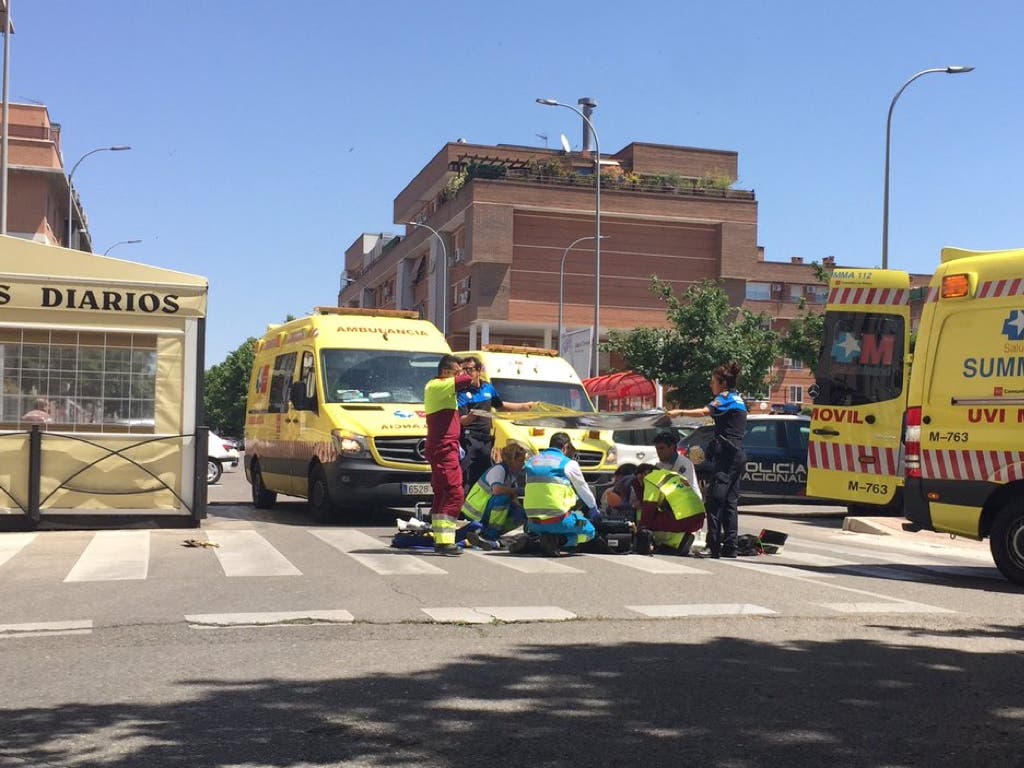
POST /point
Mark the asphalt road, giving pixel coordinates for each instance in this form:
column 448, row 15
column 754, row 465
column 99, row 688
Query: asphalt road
column 292, row 644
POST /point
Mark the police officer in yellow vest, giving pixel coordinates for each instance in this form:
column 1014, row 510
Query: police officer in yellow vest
column 553, row 483
column 492, row 505
column 670, row 508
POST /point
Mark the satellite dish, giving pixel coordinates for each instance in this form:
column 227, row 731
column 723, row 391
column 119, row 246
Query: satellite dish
column 565, row 144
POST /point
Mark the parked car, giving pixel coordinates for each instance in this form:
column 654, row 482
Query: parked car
column 636, row 446
column 221, row 453
column 776, row 448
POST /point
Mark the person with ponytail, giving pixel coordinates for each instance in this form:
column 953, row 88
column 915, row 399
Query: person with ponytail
column 726, row 457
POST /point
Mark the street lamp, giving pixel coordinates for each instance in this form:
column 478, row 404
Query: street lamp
column 597, row 230
column 954, row 70
column 120, row 242
column 71, row 190
column 561, row 282
column 444, row 274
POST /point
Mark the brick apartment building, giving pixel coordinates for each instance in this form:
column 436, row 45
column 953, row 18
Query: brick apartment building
column 38, row 182
column 507, row 214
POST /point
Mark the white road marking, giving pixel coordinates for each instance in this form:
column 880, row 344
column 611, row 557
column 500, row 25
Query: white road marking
column 246, row 553
column 529, row 563
column 527, row 613
column 700, row 609
column 905, row 607
column 933, row 564
column 12, row 543
column 113, row 556
column 777, row 570
column 382, row 559
column 268, row 618
column 656, row 565
column 46, row 629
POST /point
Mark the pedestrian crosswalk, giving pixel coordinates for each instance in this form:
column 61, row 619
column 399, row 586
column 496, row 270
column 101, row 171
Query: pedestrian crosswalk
column 843, row 579
column 239, row 553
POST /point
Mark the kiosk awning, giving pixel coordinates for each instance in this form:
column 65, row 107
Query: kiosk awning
column 619, row 385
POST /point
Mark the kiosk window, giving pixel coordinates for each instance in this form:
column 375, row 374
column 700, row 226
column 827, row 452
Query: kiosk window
column 78, row 381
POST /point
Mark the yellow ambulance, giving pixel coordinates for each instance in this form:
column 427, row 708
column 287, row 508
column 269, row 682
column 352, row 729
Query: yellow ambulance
column 531, row 374
column 939, row 437
column 334, row 411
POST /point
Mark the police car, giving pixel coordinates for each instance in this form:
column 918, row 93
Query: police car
column 776, row 448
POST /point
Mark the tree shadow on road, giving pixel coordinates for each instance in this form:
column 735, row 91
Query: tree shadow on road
column 725, row 702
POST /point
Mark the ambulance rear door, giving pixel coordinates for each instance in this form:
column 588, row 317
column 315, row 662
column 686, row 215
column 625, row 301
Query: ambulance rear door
column 855, row 454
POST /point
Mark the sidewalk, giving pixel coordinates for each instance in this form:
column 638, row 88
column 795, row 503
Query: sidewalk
column 892, row 527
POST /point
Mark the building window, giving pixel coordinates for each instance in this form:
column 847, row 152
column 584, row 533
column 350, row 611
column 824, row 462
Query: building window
column 817, row 294
column 796, row 293
column 71, row 378
column 796, row 394
column 460, row 293
column 759, row 292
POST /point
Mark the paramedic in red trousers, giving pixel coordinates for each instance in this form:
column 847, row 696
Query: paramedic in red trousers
column 727, row 458
column 553, row 483
column 442, row 451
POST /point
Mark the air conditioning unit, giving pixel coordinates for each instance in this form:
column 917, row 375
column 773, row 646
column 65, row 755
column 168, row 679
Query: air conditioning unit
column 776, row 287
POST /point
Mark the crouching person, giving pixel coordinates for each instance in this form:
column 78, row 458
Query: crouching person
column 671, row 508
column 492, row 504
column 553, row 483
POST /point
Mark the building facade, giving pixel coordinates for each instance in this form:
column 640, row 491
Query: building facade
column 37, row 182
column 506, row 217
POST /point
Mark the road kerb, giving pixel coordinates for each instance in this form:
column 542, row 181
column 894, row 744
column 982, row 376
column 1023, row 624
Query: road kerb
column 865, row 525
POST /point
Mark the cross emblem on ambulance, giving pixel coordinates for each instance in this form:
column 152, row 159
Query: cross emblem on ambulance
column 1013, row 326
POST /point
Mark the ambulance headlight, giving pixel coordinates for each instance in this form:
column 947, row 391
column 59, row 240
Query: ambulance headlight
column 349, row 444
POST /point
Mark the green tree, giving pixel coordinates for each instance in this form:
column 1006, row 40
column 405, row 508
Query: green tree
column 706, row 332
column 225, row 387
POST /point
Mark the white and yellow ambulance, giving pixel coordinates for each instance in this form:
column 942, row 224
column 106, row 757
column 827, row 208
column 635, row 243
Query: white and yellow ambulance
column 334, row 411
column 531, row 374
column 940, row 437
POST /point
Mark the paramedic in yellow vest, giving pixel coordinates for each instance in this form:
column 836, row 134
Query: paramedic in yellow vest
column 671, row 508
column 492, row 504
column 553, row 483
column 442, row 450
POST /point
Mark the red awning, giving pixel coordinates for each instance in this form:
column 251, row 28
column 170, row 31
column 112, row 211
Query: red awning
column 619, row 385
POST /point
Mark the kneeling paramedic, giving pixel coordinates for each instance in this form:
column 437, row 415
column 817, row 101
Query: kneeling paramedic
column 671, row 508
column 553, row 483
column 492, row 506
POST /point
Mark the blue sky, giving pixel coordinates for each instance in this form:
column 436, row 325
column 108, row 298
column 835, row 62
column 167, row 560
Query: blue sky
column 267, row 136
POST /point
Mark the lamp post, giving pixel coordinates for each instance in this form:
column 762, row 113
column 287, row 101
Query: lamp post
column 597, row 231
column 120, row 242
column 561, row 282
column 71, row 189
column 5, row 114
column 953, row 70
column 444, row 274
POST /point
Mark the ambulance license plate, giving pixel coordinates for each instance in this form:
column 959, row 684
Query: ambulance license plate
column 417, row 489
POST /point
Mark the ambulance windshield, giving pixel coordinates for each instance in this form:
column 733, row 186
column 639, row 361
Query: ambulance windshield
column 376, row 376
column 861, row 359
column 556, row 393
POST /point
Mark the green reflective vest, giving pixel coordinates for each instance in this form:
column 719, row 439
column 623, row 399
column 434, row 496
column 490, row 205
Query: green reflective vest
column 480, row 500
column 662, row 485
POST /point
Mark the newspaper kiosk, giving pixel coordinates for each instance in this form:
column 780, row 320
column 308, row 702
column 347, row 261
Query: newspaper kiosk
column 101, row 362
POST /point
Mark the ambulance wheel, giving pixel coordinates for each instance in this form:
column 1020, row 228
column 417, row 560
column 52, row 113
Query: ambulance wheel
column 1007, row 541
column 261, row 497
column 319, row 498
column 214, row 470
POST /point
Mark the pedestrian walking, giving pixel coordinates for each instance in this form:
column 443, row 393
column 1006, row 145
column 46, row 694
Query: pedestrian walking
column 442, row 450
column 726, row 457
